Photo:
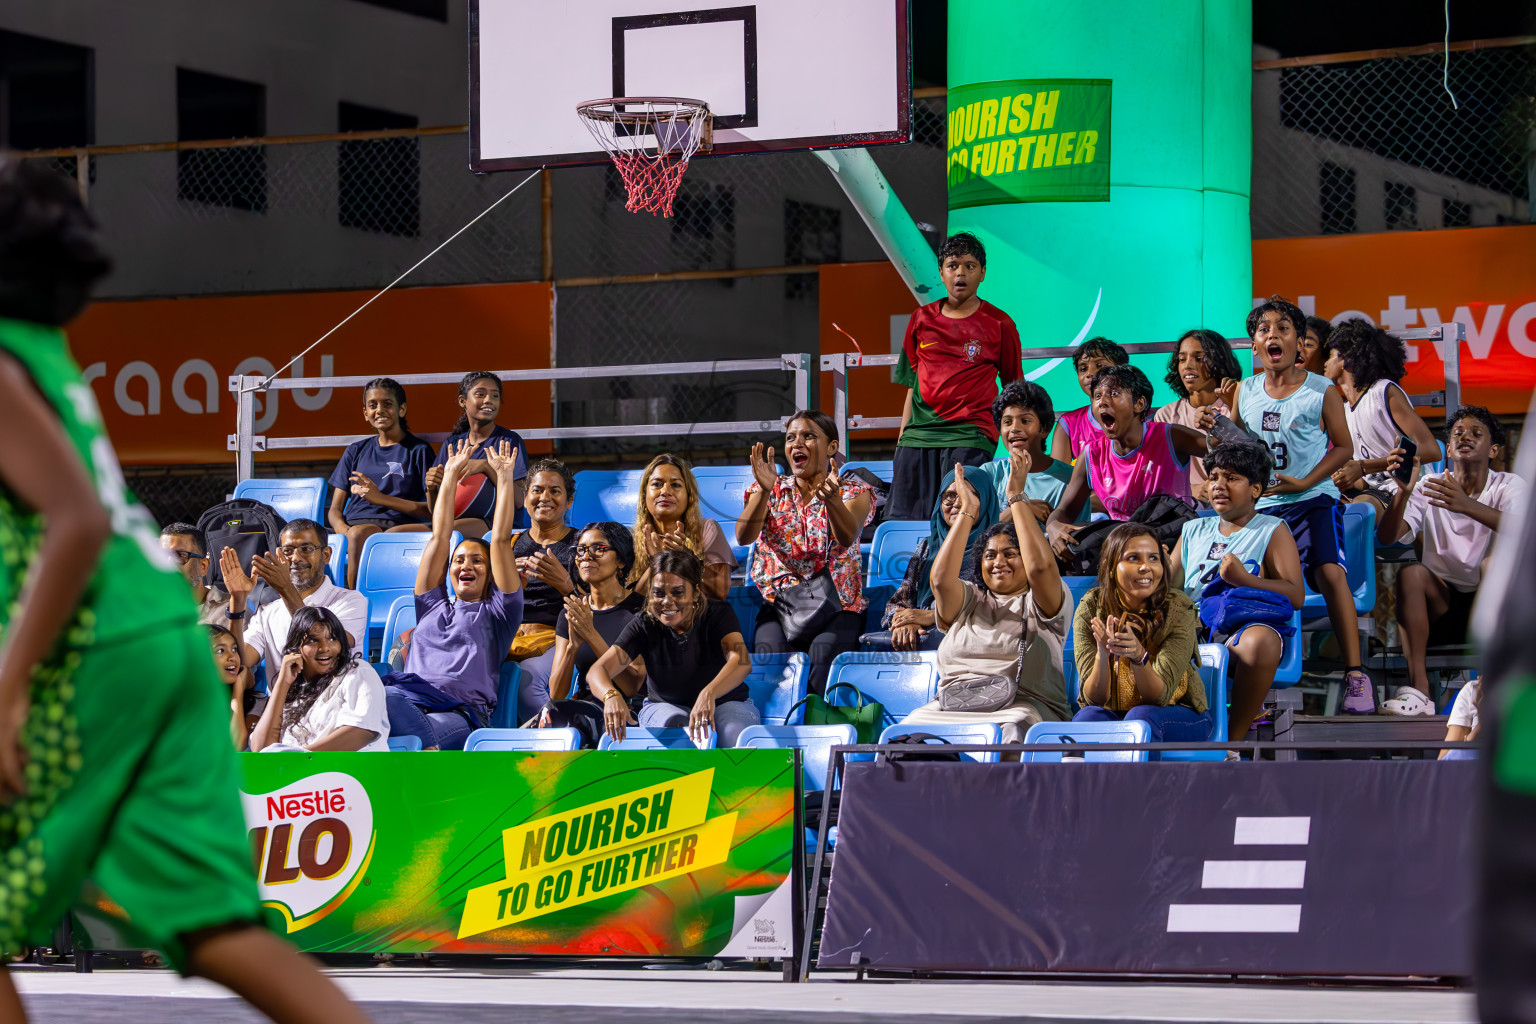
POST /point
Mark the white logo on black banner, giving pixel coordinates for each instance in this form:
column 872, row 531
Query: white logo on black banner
column 1218, row 548
column 1271, row 421
column 1250, row 874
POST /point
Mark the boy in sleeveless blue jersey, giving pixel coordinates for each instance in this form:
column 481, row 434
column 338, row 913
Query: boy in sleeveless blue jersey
column 1298, row 415
column 1245, row 548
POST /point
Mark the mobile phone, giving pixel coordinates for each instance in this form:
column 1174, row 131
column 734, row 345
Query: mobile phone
column 1227, row 432
column 1404, row 470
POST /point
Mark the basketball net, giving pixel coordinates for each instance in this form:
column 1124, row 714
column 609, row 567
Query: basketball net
column 650, row 139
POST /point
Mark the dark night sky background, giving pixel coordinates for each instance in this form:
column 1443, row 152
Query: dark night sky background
column 1299, row 27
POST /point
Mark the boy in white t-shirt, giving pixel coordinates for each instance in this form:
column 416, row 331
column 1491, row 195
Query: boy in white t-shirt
column 1454, row 515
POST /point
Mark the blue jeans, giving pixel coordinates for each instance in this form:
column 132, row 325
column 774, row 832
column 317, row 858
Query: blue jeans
column 1172, row 724
column 445, row 730
column 731, row 716
column 533, row 684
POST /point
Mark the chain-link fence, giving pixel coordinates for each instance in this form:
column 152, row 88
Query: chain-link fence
column 1366, row 145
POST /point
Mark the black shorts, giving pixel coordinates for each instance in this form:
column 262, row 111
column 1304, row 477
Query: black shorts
column 1318, row 526
column 1450, row 629
column 916, row 474
column 383, row 524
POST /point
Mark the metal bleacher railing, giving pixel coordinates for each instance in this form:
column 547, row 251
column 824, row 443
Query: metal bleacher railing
column 839, row 363
column 245, row 442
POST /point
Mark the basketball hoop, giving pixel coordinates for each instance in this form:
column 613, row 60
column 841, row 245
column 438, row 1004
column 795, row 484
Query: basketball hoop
column 650, row 140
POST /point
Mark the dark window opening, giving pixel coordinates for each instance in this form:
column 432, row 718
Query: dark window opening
column 45, row 93
column 1336, row 196
column 437, row 10
column 215, row 107
column 1400, row 207
column 378, row 181
column 1456, row 214
column 812, row 234
column 704, row 226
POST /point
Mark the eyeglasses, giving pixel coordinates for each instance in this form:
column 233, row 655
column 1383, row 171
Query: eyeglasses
column 595, row 550
column 950, row 499
column 183, row 557
column 289, row 550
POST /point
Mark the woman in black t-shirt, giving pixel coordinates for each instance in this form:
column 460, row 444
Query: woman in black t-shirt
column 696, row 662
column 597, row 613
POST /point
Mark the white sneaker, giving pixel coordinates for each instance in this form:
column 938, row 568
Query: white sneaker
column 1409, row 703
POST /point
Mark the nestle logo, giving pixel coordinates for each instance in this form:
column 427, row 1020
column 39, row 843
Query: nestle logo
column 305, row 805
column 763, row 930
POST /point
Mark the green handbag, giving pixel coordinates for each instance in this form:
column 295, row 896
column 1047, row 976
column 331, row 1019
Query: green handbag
column 867, row 718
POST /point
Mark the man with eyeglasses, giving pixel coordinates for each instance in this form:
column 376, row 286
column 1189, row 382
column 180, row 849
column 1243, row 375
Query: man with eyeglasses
column 189, row 547
column 296, row 571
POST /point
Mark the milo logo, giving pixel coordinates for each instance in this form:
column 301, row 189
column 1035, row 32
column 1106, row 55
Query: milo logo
column 311, row 842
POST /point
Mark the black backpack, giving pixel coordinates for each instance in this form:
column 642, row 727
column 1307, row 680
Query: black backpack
column 247, row 525
column 919, row 739
column 1164, row 513
column 881, row 491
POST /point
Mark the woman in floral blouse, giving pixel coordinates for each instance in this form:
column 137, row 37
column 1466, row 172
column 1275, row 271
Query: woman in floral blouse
column 803, row 523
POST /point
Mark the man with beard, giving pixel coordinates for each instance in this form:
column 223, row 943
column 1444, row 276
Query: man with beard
column 296, row 571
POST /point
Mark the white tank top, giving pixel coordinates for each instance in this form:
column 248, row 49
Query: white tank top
column 1374, row 431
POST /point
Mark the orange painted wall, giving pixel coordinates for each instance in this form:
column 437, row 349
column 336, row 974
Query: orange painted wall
column 862, row 298
column 134, row 349
column 1482, row 277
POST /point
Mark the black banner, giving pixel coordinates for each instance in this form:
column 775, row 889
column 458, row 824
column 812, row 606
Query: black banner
column 1331, row 867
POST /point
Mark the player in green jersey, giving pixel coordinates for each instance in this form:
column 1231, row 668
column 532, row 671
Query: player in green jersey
column 115, row 765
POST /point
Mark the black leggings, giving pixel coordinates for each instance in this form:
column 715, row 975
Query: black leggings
column 839, row 635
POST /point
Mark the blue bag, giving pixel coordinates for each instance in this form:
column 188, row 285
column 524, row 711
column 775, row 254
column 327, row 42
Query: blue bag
column 1226, row 609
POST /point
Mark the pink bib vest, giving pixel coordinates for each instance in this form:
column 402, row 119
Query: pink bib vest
column 1124, row 482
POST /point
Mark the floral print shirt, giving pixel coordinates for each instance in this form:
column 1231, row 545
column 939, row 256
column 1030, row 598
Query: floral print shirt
column 795, row 540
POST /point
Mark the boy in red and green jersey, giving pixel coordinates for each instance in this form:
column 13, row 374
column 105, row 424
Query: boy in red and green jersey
column 955, row 352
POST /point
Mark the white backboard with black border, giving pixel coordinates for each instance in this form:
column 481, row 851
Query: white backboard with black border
column 777, row 74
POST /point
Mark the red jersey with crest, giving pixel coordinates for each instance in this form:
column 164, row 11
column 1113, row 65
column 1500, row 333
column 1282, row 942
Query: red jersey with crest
column 953, row 366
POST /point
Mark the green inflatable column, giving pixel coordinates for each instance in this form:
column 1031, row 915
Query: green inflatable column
column 1102, row 152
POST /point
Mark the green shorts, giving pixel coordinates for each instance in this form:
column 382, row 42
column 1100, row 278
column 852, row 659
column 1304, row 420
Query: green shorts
column 133, row 796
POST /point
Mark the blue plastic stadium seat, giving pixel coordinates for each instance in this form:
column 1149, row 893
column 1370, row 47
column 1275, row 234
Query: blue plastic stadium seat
column 605, row 495
column 891, row 550
column 900, row 682
column 815, row 742
column 401, row 617
column 1213, row 673
column 1088, row 733
column 1077, row 586
column 337, row 567
column 523, row 739
column 777, row 683
column 387, row 570
column 405, row 743
column 745, row 602
column 636, row 738
column 1288, row 672
column 883, row 470
column 721, row 489
column 505, row 714
column 293, row 499
column 970, row 732
column 1360, row 561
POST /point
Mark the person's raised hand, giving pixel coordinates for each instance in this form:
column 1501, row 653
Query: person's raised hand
column 273, row 571
column 830, row 489
column 289, row 670
column 1019, row 465
column 502, row 457
column 967, row 501
column 578, row 615
column 548, row 568
column 763, row 469
column 236, row 583
column 1123, row 642
column 459, row 454
column 1101, row 631
column 1227, row 393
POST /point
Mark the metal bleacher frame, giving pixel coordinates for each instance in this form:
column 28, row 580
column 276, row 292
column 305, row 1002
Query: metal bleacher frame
column 245, row 442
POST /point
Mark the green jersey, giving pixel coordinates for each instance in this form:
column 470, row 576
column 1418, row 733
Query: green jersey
column 135, row 585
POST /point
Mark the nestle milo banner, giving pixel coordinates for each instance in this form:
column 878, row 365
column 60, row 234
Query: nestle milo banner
column 654, row 853
column 1029, row 141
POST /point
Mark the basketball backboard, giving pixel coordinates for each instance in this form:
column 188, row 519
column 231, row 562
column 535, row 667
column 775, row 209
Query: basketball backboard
column 777, row 74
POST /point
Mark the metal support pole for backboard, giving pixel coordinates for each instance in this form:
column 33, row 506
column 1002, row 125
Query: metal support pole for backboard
column 800, row 363
column 1452, row 335
column 904, row 245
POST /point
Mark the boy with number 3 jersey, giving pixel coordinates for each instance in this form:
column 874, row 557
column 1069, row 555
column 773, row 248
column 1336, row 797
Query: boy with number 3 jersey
column 1298, row 415
column 115, row 761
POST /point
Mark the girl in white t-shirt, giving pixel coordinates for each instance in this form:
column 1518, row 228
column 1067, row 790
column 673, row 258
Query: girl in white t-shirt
column 324, row 697
column 1366, row 363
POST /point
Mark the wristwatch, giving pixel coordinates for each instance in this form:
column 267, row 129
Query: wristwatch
column 1015, row 499
column 239, row 614
column 1145, row 654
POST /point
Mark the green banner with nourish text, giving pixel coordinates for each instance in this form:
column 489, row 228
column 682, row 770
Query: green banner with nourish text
column 1033, row 140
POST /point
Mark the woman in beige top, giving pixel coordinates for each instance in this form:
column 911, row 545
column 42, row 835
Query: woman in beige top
column 1020, row 597
column 668, row 518
column 1135, row 639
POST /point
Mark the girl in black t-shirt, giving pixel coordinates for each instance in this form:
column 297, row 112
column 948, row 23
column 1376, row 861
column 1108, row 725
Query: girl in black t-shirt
column 696, row 662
